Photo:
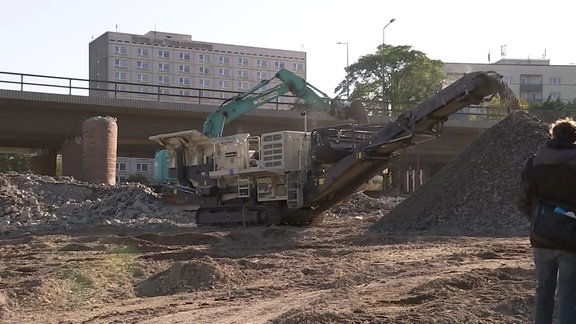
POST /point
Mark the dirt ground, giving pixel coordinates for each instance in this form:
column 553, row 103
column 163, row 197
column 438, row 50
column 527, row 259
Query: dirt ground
column 338, row 271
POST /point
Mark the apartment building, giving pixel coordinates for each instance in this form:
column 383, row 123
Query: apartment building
column 173, row 67
column 134, row 168
column 533, row 80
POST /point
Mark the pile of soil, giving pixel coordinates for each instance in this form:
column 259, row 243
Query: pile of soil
column 475, row 194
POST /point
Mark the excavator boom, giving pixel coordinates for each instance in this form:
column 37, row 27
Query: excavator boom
column 289, row 82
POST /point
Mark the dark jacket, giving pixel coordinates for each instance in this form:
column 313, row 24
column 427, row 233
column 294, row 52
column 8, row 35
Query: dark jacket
column 548, row 175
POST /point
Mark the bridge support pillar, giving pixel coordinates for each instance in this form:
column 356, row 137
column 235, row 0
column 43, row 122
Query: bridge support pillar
column 44, row 163
column 72, row 158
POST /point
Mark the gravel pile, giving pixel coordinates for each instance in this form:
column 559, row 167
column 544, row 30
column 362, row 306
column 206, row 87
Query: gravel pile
column 42, row 204
column 476, row 192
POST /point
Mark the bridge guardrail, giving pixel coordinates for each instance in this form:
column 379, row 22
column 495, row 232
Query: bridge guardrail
column 122, row 90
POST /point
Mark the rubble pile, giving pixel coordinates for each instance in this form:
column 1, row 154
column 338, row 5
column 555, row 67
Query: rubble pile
column 54, row 204
column 476, row 192
column 360, row 205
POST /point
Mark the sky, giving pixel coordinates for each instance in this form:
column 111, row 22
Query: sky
column 51, row 37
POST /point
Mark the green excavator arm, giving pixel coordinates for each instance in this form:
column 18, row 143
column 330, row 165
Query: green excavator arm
column 290, row 82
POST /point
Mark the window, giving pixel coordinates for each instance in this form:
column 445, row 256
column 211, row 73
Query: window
column 279, row 65
column 262, row 63
column 224, row 84
column 297, row 66
column 164, row 79
column 143, row 90
column 185, row 56
column 120, row 63
column 243, row 74
column 120, row 166
column 142, row 167
column 204, row 70
column 142, row 52
column 204, row 82
column 507, row 80
column 243, row 61
column 554, row 80
column 204, row 58
column 142, row 65
column 185, row 81
column 164, row 91
column 185, row 68
column 121, row 87
column 142, row 78
column 224, row 72
column 185, row 93
column 121, row 76
column 163, row 66
column 261, row 75
column 163, row 54
column 204, row 94
column 120, row 50
column 243, row 85
column 224, row 59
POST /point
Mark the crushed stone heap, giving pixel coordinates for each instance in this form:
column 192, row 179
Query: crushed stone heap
column 476, row 192
column 43, row 204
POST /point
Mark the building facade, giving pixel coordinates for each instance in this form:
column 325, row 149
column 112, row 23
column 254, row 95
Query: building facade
column 173, row 67
column 130, row 169
column 532, row 80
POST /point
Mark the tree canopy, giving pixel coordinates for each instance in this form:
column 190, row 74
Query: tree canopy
column 409, row 78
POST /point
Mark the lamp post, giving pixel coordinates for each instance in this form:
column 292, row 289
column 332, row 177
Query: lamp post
column 347, row 66
column 384, row 64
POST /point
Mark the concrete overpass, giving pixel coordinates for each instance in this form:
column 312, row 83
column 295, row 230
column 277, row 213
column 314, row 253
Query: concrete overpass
column 34, row 121
column 45, row 120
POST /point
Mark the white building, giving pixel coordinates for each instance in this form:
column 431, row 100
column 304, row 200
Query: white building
column 173, row 67
column 533, row 80
column 134, row 168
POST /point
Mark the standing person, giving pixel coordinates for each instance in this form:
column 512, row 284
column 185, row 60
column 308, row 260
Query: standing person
column 549, row 179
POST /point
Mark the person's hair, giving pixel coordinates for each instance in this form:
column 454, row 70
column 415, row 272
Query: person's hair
column 564, row 130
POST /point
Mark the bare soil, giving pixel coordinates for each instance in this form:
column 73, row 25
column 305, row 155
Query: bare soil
column 339, row 271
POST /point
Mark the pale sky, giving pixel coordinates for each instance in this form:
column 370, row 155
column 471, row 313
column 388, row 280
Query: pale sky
column 51, row 37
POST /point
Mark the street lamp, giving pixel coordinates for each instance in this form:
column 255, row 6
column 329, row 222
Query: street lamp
column 347, row 66
column 384, row 63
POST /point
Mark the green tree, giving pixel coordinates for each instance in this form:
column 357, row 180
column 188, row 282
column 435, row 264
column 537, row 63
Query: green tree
column 14, row 162
column 409, row 78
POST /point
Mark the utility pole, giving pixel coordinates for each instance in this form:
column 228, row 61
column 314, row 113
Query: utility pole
column 384, row 105
column 347, row 66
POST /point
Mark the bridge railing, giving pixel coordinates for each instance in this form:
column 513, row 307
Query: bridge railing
column 148, row 91
column 123, row 90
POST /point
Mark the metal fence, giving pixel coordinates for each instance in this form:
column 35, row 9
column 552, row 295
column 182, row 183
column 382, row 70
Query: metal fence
column 121, row 90
column 130, row 90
